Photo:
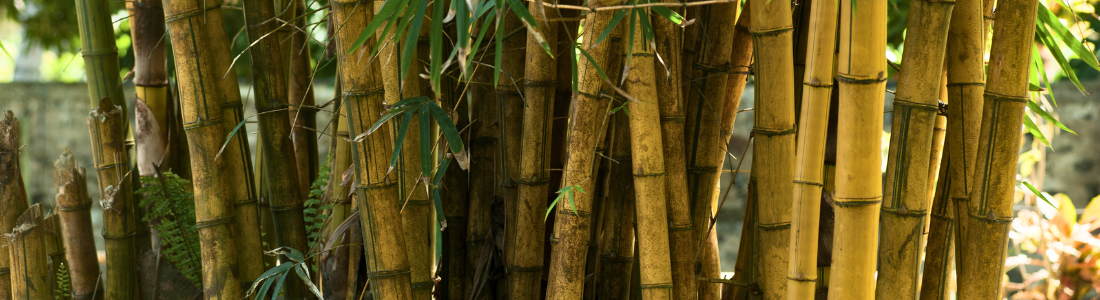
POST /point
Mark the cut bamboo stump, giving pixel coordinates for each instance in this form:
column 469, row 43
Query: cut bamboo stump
column 74, row 211
column 30, row 271
column 107, row 126
column 13, row 195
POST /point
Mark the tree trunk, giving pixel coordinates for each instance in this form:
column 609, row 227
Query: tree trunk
column 28, row 256
column 570, row 239
column 774, row 147
column 809, row 178
column 861, row 72
column 990, row 209
column 378, row 197
column 278, row 149
column 914, row 117
column 74, row 208
column 107, row 126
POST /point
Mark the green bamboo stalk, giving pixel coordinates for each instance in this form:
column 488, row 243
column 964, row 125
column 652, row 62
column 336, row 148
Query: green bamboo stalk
column 525, row 236
column 861, row 73
column 906, row 193
column 97, row 43
column 571, row 226
column 775, row 143
column 107, row 125
column 378, row 197
column 617, row 254
column 990, row 206
column 13, row 195
column 74, row 209
column 275, row 129
column 810, row 152
column 29, row 266
column 707, row 97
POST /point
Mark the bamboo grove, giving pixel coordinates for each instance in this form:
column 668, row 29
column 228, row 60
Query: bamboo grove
column 535, row 149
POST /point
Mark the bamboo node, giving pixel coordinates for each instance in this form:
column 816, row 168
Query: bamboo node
column 615, row 258
column 809, row 183
column 214, row 222
column 991, row 218
column 855, row 79
column 387, row 273
column 905, row 212
column 953, row 84
column 856, row 201
column 991, row 96
column 374, row 186
column 119, row 237
column 539, row 83
column 770, row 32
column 648, row 286
column 191, row 13
column 363, row 92
column 5, row 271
column 113, row 51
column 85, row 206
column 681, row 227
column 297, row 206
column 531, row 269
column 772, row 132
column 802, row 278
column 773, row 226
column 248, row 201
column 914, row 105
column 721, row 68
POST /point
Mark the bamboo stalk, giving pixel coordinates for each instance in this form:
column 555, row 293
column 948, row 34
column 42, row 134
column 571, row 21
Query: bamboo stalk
column 940, row 253
column 202, row 60
column 707, row 98
column 13, row 195
column 571, row 226
column 965, row 63
column 74, row 209
column 97, row 40
column 862, row 77
column 990, row 207
column 617, row 253
column 810, row 152
column 378, row 198
column 915, row 108
column 648, row 169
column 484, row 169
column 29, row 264
column 455, row 191
column 512, row 106
column 775, row 144
column 744, row 266
column 278, row 150
column 302, row 110
column 107, row 125
column 147, row 29
column 525, row 243
column 671, row 107
column 740, row 60
column 55, row 251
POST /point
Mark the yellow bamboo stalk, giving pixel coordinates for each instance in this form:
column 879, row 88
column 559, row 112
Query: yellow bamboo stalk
column 740, row 61
column 378, row 197
column 525, row 238
column 617, row 239
column 13, row 197
column 648, row 168
column 742, row 270
column 915, row 108
column 965, row 63
column 774, row 147
column 706, row 99
column 816, row 89
column 29, row 266
column 106, row 125
column 74, row 208
column 990, row 206
column 587, row 116
column 939, row 258
column 861, row 73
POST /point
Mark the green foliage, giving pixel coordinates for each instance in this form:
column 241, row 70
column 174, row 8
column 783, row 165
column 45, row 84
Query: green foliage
column 565, row 192
column 170, row 209
column 296, row 262
column 314, row 208
column 64, row 288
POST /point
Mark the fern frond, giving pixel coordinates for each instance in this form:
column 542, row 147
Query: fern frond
column 171, row 211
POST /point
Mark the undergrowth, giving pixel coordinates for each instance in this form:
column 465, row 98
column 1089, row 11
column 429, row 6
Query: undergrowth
column 171, row 211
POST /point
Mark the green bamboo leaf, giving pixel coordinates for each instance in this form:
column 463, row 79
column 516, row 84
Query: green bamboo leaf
column 1034, row 130
column 573, row 64
column 438, row 177
column 1046, row 116
column 425, row 142
column 1056, row 51
column 282, row 279
column 409, row 53
column 399, row 108
column 263, row 290
column 529, row 21
column 411, row 102
column 498, row 47
column 594, row 64
column 629, row 45
column 618, row 17
column 1049, row 19
column 230, row 136
column 384, row 36
column 399, row 143
column 647, row 28
column 462, row 24
column 667, row 13
column 269, row 274
column 477, row 44
column 450, row 132
column 381, row 17
column 1037, row 193
column 303, row 273
column 295, row 255
column 436, row 44
column 1039, row 69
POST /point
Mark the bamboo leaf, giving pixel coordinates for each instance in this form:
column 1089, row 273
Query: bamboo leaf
column 436, row 45
column 611, row 25
column 498, row 47
column 409, row 53
column 647, row 28
column 399, row 108
column 439, row 172
column 1030, row 125
column 573, row 63
column 477, row 44
column 230, row 136
column 399, row 143
column 629, row 45
column 381, row 17
column 594, row 64
column 529, row 21
column 462, row 24
column 295, row 255
column 1046, row 116
column 1056, row 52
column 269, row 274
column 667, row 13
column 450, row 132
column 303, row 273
column 282, row 279
column 1045, row 16
column 1036, row 192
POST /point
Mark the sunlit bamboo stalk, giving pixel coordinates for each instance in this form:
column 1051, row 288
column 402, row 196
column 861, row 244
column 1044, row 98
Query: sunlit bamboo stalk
column 30, row 270
column 939, row 258
column 809, row 172
column 571, row 228
column 774, row 146
column 861, row 73
column 107, row 127
column 990, row 204
column 378, row 198
column 74, row 208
